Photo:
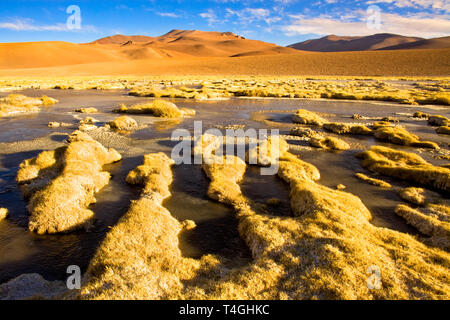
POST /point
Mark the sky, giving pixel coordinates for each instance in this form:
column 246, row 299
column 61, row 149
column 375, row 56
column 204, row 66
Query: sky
column 279, row 21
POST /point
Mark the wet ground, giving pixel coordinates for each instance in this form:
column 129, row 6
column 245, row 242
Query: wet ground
column 216, row 231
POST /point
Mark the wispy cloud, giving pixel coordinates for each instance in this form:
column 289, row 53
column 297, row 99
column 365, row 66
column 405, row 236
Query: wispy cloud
column 28, row 25
column 420, row 24
column 250, row 15
column 417, row 4
column 210, row 16
column 168, row 14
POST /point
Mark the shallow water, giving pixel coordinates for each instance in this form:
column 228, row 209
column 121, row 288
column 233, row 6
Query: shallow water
column 216, row 231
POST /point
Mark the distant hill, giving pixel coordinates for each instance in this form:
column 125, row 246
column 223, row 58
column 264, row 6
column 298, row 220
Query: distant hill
column 333, row 43
column 120, row 39
column 191, row 43
column 435, row 43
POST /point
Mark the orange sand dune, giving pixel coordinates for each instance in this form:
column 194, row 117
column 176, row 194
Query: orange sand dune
column 434, row 62
column 194, row 43
column 51, row 53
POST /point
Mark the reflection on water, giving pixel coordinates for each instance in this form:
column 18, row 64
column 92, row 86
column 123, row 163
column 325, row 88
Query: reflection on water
column 216, row 231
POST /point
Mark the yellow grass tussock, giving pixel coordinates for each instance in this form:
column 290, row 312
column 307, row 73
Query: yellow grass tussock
column 413, row 195
column 328, row 143
column 140, row 257
column 427, row 224
column 325, row 251
column 62, row 183
column 405, row 166
column 87, row 110
column 123, row 123
column 400, row 136
column 347, row 128
column 443, row 130
column 3, row 213
column 303, row 116
column 372, row 181
column 14, row 104
column 157, row 108
column 438, row 121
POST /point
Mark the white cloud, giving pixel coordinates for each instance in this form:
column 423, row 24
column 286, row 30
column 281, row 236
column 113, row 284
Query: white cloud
column 417, row 4
column 27, row 25
column 168, row 14
column 250, row 15
column 210, row 16
column 422, row 25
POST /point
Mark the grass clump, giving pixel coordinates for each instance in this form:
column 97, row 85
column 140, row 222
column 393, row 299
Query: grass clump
column 328, row 143
column 372, row 181
column 400, row 136
column 405, row 166
column 87, row 110
column 321, row 253
column 303, row 116
column 61, row 184
column 420, row 114
column 428, row 224
column 3, row 213
column 413, row 195
column 15, row 104
column 142, row 245
column 438, row 121
column 347, row 128
column 443, row 130
column 124, row 123
column 157, row 108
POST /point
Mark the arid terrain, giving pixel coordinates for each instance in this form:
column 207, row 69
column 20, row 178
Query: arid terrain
column 191, row 52
column 357, row 208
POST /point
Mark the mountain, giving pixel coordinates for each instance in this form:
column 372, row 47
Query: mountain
column 435, row 43
column 120, row 39
column 190, row 43
column 333, row 43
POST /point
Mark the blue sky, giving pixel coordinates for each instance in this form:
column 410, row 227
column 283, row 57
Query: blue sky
column 278, row 21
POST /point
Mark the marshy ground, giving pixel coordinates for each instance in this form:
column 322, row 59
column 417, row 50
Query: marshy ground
column 216, row 233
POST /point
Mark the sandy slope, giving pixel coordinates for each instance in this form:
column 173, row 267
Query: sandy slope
column 368, row 63
column 51, row 53
column 435, row 43
column 333, row 43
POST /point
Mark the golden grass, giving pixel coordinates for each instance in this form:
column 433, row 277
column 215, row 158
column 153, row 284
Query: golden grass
column 400, row 136
column 413, row 195
column 427, row 224
column 303, row 116
column 220, row 87
column 347, row 128
column 62, row 183
column 328, row 143
column 3, row 213
column 14, row 104
column 303, row 132
column 268, row 151
column 372, row 181
column 443, row 130
column 87, row 110
column 123, row 123
column 438, row 121
column 323, row 252
column 140, row 257
column 157, row 108
column 405, row 166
